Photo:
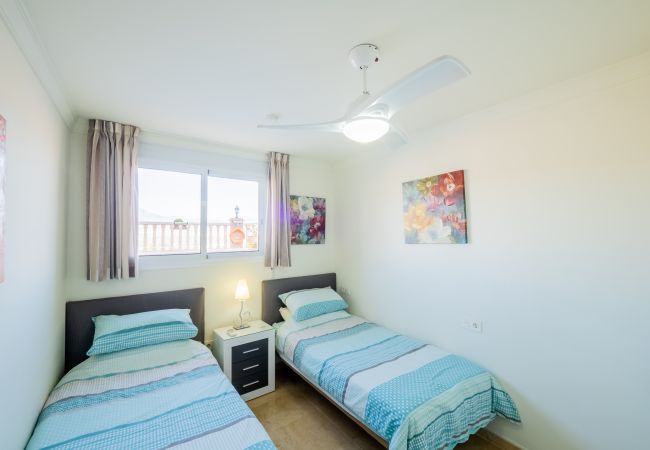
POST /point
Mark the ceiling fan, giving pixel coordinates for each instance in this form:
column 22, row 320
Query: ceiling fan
column 368, row 118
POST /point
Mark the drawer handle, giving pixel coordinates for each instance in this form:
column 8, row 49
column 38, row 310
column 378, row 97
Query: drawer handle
column 251, row 367
column 251, row 350
column 250, row 384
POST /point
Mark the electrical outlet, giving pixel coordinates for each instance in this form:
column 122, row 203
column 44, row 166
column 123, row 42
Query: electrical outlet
column 474, row 325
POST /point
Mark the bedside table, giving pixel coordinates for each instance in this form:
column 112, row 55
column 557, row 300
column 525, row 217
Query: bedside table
column 247, row 357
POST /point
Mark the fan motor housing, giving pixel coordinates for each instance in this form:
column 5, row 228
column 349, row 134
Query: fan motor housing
column 364, row 55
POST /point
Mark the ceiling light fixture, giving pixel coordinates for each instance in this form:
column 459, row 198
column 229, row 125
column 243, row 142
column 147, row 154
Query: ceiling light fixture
column 370, row 116
column 366, row 129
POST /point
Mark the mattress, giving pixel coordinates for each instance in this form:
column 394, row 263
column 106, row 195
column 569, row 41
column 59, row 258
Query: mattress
column 160, row 396
column 413, row 395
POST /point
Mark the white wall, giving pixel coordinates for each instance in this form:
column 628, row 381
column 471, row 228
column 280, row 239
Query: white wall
column 218, row 277
column 557, row 264
column 31, row 305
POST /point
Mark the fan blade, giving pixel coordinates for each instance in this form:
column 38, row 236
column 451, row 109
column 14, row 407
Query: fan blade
column 332, row 127
column 395, row 138
column 358, row 105
column 435, row 75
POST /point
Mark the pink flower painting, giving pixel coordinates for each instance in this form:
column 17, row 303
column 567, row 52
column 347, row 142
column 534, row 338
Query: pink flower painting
column 434, row 209
column 307, row 220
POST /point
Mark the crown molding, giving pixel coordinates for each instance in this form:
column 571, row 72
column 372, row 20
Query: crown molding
column 16, row 16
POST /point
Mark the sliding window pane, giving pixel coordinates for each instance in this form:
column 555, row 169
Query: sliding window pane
column 170, row 212
column 233, row 211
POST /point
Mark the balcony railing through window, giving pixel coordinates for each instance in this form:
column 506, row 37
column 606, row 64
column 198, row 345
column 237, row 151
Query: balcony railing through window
column 160, row 238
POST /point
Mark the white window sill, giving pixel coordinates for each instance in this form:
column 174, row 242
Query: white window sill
column 161, row 262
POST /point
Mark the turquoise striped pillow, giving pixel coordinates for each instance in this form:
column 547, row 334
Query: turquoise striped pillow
column 114, row 333
column 309, row 303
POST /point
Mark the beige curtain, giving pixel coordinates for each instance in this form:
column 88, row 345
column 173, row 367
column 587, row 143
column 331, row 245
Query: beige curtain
column 112, row 200
column 278, row 225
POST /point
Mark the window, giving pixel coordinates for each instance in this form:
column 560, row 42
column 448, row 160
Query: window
column 195, row 213
column 169, row 212
column 232, row 215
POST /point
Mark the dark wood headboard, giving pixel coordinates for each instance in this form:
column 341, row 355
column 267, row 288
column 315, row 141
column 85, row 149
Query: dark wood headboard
column 271, row 304
column 80, row 329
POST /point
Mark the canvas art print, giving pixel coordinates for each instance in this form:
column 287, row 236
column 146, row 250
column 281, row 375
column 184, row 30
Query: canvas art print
column 307, row 220
column 434, row 209
column 3, row 138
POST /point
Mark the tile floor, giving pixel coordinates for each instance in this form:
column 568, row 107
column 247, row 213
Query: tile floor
column 297, row 418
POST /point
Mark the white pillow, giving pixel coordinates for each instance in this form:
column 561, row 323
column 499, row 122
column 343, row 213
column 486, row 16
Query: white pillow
column 286, row 314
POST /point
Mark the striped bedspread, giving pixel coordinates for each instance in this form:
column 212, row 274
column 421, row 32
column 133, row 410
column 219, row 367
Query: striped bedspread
column 160, row 396
column 414, row 395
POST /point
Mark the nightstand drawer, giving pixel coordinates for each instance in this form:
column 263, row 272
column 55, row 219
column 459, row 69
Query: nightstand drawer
column 251, row 382
column 254, row 349
column 249, row 367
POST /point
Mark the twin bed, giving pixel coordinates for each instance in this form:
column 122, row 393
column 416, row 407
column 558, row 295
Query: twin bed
column 168, row 395
column 405, row 393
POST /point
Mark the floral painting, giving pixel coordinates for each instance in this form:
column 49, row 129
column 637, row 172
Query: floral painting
column 307, row 220
column 3, row 137
column 434, row 209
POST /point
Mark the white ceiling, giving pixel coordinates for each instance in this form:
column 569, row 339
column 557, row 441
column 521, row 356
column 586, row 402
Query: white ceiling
column 213, row 70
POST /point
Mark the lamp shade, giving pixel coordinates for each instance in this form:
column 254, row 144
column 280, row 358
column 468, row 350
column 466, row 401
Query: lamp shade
column 241, row 292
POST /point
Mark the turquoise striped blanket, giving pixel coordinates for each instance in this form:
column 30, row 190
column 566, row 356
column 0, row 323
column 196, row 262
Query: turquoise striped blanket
column 414, row 395
column 159, row 396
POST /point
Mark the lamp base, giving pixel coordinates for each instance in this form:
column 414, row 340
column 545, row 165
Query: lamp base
column 241, row 327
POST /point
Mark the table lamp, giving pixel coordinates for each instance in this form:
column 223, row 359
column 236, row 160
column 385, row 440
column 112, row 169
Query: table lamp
column 241, row 295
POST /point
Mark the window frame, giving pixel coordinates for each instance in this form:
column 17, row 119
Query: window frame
column 177, row 260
